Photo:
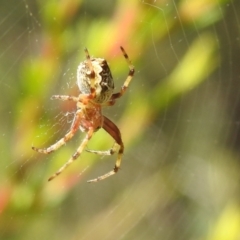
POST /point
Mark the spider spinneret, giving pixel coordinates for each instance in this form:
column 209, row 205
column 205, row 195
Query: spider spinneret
column 95, row 82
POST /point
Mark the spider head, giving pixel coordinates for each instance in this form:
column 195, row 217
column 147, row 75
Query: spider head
column 103, row 81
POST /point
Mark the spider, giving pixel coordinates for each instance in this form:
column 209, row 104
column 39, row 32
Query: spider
column 95, row 82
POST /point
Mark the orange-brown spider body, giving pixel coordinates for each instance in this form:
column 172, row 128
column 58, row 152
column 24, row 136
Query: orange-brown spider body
column 95, row 82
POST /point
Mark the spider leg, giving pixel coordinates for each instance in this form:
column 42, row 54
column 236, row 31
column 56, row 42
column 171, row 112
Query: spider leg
column 91, row 74
column 113, row 130
column 67, row 137
column 81, row 99
column 105, row 153
column 127, row 81
column 65, row 98
column 75, row 155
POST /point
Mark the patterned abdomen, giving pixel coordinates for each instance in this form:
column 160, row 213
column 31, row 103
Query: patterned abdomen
column 103, row 82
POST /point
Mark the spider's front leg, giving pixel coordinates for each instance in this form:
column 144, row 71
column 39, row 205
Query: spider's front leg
column 113, row 130
column 105, row 153
column 75, row 155
column 67, row 137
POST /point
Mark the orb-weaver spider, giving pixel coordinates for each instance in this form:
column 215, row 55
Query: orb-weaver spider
column 95, row 82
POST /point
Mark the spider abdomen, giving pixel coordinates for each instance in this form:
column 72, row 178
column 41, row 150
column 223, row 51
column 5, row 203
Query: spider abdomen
column 103, row 82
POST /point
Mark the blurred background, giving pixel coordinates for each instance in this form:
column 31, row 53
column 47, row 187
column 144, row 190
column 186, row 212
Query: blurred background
column 179, row 120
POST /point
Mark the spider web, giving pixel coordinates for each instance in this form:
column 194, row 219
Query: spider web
column 179, row 119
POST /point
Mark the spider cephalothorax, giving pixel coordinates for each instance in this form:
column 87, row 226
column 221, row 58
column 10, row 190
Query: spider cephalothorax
column 95, row 82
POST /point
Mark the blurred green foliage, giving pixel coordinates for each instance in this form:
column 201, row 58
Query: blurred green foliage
column 180, row 172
